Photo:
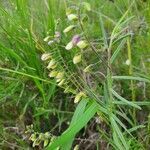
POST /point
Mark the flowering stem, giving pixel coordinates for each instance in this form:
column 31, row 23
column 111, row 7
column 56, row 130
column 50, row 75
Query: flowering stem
column 131, row 73
column 87, row 39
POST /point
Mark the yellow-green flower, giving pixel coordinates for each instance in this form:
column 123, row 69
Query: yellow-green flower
column 45, row 56
column 82, row 44
column 46, row 141
column 79, row 96
column 60, row 75
column 51, row 42
column 77, row 59
column 75, row 39
column 46, row 39
column 58, row 80
column 61, row 82
column 69, row 28
column 53, row 74
column 52, row 64
column 69, row 46
column 68, row 11
column 72, row 17
column 87, row 6
column 88, row 68
column 127, row 62
column 33, row 137
column 76, row 147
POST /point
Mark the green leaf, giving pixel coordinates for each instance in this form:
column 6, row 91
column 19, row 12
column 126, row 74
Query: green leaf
column 117, row 50
column 78, row 112
column 75, row 127
column 131, row 78
column 124, row 100
column 118, row 135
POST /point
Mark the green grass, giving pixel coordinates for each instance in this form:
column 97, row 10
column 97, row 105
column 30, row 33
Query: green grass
column 114, row 114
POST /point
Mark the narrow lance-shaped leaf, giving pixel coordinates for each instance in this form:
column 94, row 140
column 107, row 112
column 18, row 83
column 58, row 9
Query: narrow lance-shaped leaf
column 75, row 128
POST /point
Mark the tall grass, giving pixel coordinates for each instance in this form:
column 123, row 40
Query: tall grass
column 108, row 79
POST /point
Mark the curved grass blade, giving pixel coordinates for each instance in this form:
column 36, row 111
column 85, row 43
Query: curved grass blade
column 75, row 127
column 124, row 100
column 131, row 78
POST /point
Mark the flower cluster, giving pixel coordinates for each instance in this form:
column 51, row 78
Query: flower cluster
column 76, row 40
column 60, row 75
column 53, row 39
column 52, row 67
column 39, row 138
column 78, row 44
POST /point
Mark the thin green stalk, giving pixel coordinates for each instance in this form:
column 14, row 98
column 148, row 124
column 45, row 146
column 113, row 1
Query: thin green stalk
column 131, row 73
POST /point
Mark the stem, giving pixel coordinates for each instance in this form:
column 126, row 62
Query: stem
column 131, row 73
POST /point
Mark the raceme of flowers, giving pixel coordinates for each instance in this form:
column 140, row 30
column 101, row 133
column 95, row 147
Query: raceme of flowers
column 77, row 41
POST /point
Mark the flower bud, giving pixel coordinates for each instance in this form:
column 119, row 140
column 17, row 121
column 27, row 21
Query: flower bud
column 33, row 137
column 87, row 6
column 58, row 80
column 54, row 66
column 69, row 28
column 79, row 96
column 51, row 64
column 60, row 75
column 67, row 89
column 75, row 39
column 68, row 11
column 82, row 44
column 72, row 17
column 76, row 147
column 46, row 141
column 61, row 82
column 88, row 68
column 57, row 35
column 46, row 39
column 69, row 46
column 77, row 59
column 41, row 136
column 53, row 74
column 127, row 62
column 50, row 42
column 45, row 56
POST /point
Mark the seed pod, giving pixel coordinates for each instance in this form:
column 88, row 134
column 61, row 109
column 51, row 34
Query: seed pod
column 69, row 28
column 72, row 17
column 82, row 44
column 53, row 74
column 45, row 56
column 77, row 59
column 69, row 46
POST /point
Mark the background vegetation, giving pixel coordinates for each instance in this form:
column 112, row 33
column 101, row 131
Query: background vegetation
column 114, row 114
